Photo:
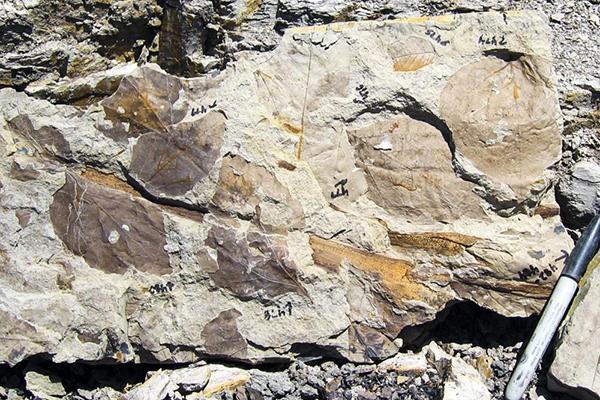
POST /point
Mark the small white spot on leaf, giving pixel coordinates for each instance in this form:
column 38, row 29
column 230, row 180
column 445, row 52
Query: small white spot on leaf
column 385, row 144
column 113, row 237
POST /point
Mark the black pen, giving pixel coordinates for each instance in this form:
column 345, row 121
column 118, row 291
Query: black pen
column 554, row 311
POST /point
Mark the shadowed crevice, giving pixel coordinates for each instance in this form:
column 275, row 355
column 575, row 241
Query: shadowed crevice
column 158, row 200
column 465, row 322
column 504, row 54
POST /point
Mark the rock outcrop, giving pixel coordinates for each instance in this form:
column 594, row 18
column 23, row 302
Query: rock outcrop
column 42, row 41
column 321, row 196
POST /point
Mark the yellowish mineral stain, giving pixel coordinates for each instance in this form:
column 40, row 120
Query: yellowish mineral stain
column 119, row 356
column 595, row 263
column 285, row 124
column 517, row 288
column 484, row 366
column 516, row 90
column 394, row 273
column 251, row 7
column 108, row 180
column 235, row 382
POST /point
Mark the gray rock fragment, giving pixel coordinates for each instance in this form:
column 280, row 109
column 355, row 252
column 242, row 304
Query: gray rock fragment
column 83, row 89
column 580, row 193
column 576, row 365
column 44, row 40
column 44, row 387
column 192, row 379
column 464, row 382
column 158, row 387
column 105, row 393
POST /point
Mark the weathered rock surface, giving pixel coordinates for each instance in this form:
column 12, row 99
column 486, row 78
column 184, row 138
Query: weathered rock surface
column 322, row 196
column 462, row 380
column 576, row 365
column 42, row 40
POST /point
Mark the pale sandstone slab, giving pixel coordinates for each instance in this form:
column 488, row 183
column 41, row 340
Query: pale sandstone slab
column 316, row 197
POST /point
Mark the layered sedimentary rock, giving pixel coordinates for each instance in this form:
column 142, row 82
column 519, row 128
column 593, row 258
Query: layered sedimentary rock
column 322, row 196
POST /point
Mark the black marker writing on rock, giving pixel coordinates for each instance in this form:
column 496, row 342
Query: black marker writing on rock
column 492, row 40
column 437, row 37
column 203, row 108
column 161, row 288
column 340, row 189
column 363, row 92
column 278, row 311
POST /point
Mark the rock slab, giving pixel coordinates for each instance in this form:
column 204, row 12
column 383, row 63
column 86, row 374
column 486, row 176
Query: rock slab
column 321, row 196
column 576, row 364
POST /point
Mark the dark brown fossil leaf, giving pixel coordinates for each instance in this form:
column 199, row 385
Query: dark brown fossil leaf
column 46, row 139
column 111, row 230
column 23, row 173
column 368, row 344
column 221, row 336
column 147, row 100
column 247, row 190
column 252, row 265
column 408, row 167
column 20, row 334
column 170, row 164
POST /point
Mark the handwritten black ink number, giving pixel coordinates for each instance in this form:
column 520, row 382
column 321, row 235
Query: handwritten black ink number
column 528, row 272
column 492, row 40
column 437, row 37
column 363, row 92
column 161, row 288
column 203, row 108
column 340, row 189
column 278, row 311
column 540, row 276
